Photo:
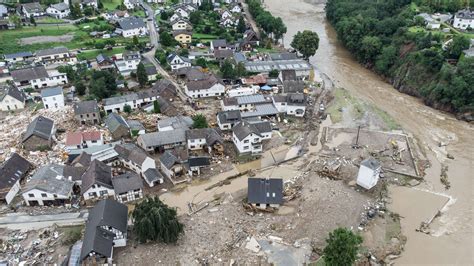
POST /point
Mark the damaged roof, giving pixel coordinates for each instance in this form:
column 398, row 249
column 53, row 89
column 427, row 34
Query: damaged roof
column 41, row 127
column 97, row 173
column 131, row 152
column 86, row 107
column 50, row 178
column 11, row 171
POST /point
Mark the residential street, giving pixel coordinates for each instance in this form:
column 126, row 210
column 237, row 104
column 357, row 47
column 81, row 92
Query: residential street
column 19, row 221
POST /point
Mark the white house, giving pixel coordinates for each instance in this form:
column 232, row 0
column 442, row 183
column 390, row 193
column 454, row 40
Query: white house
column 132, row 157
column 226, row 14
column 53, row 98
column 128, row 63
column 227, row 119
column 181, row 24
column 12, row 172
column 38, row 77
column 291, row 104
column 464, row 19
column 131, row 26
column 128, row 187
column 59, row 10
column 96, row 182
column 134, row 100
column 18, row 57
column 131, row 4
column 83, row 140
column 182, row 12
column 48, row 186
column 55, row 55
column 235, row 8
column 32, row 9
column 369, row 172
column 242, row 90
column 208, row 87
column 204, row 138
column 11, row 98
column 229, row 22
column 248, row 136
column 177, row 61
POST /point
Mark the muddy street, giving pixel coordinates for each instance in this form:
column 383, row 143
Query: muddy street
column 439, row 133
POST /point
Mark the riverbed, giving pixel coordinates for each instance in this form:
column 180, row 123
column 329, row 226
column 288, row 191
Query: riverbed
column 451, row 240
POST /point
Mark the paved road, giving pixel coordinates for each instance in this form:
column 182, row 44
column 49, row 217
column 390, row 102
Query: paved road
column 150, row 55
column 15, row 221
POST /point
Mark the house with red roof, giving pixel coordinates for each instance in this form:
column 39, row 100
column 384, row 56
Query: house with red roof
column 82, row 140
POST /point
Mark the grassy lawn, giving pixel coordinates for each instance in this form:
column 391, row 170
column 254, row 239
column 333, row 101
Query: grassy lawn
column 92, row 54
column 49, row 20
column 111, row 4
column 139, row 13
column 203, row 36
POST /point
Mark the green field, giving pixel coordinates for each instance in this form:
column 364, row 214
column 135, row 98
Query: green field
column 139, row 13
column 111, row 4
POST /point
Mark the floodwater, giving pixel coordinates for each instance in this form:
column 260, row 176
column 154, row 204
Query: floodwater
column 452, row 241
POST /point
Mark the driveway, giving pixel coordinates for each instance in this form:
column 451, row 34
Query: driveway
column 20, row 221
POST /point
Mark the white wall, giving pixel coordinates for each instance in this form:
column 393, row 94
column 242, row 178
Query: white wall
column 52, row 81
column 214, row 91
column 196, row 144
column 37, row 195
column 12, row 193
column 56, row 13
column 10, row 103
column 463, row 24
column 367, row 178
column 55, row 102
column 97, row 189
column 134, row 32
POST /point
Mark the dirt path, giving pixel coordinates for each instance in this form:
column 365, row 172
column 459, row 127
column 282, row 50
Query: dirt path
column 431, row 127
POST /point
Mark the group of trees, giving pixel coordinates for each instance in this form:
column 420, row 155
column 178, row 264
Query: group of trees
column 272, row 26
column 378, row 34
column 229, row 70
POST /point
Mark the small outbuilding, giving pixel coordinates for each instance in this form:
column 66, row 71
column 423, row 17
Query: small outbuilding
column 369, row 173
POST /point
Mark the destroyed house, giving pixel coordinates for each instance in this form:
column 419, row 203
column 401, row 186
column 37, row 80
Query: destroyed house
column 97, row 181
column 87, row 112
column 162, row 140
column 106, row 228
column 48, row 186
column 134, row 158
column 39, row 134
column 128, row 187
column 173, row 165
column 291, row 104
column 11, row 98
column 265, row 192
column 195, row 164
column 165, row 88
column 117, row 126
column 204, row 138
column 369, row 173
column 12, row 172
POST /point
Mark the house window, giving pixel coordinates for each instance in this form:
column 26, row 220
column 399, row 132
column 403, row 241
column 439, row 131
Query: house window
column 31, row 195
column 103, row 192
column 44, row 195
column 246, row 147
column 246, row 141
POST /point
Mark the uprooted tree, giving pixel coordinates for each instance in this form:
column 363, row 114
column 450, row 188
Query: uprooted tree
column 155, row 221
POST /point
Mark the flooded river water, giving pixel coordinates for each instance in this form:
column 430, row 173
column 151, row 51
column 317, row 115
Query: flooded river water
column 452, row 241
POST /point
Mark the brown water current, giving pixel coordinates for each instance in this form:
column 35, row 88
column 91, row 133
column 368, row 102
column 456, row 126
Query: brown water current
column 452, row 240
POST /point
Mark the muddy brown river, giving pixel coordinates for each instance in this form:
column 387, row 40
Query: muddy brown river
column 452, row 240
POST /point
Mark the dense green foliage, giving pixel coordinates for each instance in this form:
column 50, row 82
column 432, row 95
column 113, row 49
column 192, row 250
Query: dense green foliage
column 388, row 37
column 200, row 121
column 266, row 21
column 155, row 221
column 306, row 42
column 142, row 76
column 342, row 246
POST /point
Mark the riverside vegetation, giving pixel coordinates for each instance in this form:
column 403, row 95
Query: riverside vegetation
column 382, row 36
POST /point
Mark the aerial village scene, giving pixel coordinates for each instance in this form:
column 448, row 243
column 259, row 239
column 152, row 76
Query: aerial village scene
column 228, row 132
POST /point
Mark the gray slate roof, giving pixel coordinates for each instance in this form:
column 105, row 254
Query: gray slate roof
column 128, row 181
column 41, row 127
column 48, row 92
column 52, row 51
column 115, row 121
column 283, row 56
column 86, row 107
column 219, row 43
column 31, row 73
column 131, row 152
column 198, row 161
column 265, row 191
column 33, row 7
column 13, row 92
column 162, row 138
column 152, row 175
column 465, row 14
column 209, row 134
column 202, row 84
column 97, row 173
column 50, row 178
column 371, row 163
column 105, row 213
column 17, row 55
column 61, row 6
column 172, row 157
column 12, row 170
column 245, row 128
column 177, row 122
column 232, row 116
column 131, row 23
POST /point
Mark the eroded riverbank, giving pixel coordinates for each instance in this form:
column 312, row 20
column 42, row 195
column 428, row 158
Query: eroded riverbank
column 451, row 240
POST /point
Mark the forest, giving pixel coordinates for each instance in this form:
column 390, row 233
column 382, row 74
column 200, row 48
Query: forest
column 388, row 37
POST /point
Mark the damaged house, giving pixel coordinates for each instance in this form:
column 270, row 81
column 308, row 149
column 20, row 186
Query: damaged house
column 87, row 112
column 173, row 165
column 204, row 139
column 227, row 119
column 39, row 134
column 265, row 192
column 106, row 228
column 117, row 126
column 48, row 186
column 97, row 181
column 162, row 140
column 12, row 173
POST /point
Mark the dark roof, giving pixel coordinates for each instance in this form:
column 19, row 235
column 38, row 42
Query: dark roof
column 131, row 23
column 465, row 14
column 245, row 128
column 41, row 127
column 199, row 161
column 219, row 43
column 52, row 51
column 223, row 54
column 209, row 134
column 12, row 170
column 165, row 87
column 115, row 121
column 166, row 107
column 84, row 159
column 265, row 191
column 74, row 173
column 296, row 99
column 371, row 163
column 101, row 58
column 127, row 182
column 172, row 157
column 86, row 107
column 48, row 92
column 152, row 175
column 202, row 84
column 288, row 75
column 131, row 152
column 31, row 73
column 151, row 70
column 179, row 32
column 231, row 116
column 293, row 86
column 14, row 92
column 106, row 212
column 97, row 173
column 19, row 54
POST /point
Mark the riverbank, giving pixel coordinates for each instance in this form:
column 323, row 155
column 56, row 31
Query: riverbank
column 451, row 239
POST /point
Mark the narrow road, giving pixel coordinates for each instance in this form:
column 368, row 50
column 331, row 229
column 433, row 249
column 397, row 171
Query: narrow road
column 150, row 55
column 250, row 19
column 17, row 221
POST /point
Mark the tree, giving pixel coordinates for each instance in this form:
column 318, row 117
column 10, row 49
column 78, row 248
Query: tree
column 240, row 70
column 141, row 74
column 32, row 20
column 342, row 246
column 306, row 42
column 127, row 108
column 201, row 62
column 80, row 88
column 135, row 41
column 195, row 18
column 156, row 107
column 184, row 52
column 15, row 19
column 160, row 55
column 155, row 221
column 206, row 5
column 227, row 70
column 200, row 121
column 370, row 48
column 273, row 73
column 241, row 27
column 99, row 89
column 459, row 43
column 75, row 10
column 166, row 39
